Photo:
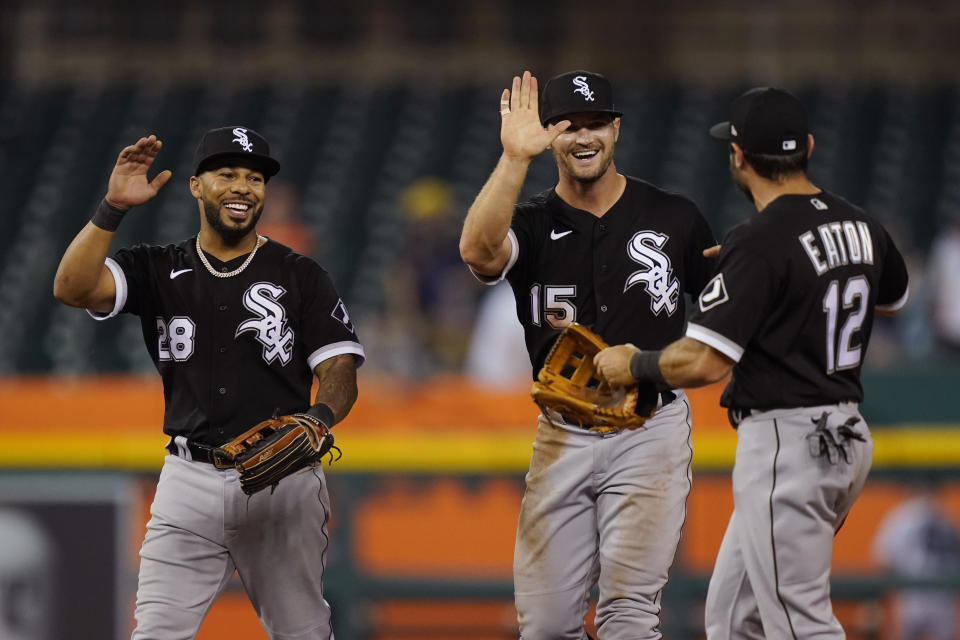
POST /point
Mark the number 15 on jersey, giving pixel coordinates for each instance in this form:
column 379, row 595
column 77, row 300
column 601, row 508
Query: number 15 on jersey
column 554, row 305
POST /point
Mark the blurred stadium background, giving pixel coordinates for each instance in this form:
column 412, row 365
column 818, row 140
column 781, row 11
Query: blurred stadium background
column 384, row 116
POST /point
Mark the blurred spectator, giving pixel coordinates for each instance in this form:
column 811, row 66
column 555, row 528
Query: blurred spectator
column 27, row 577
column 430, row 298
column 943, row 269
column 281, row 219
column 917, row 541
column 497, row 358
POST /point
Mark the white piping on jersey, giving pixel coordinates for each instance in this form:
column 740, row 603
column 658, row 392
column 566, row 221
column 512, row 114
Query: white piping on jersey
column 217, row 274
column 711, row 338
column 336, row 349
column 120, row 297
column 514, row 254
column 895, row 306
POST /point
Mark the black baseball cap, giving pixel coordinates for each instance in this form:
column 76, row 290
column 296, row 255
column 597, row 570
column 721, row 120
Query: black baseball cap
column 240, row 146
column 575, row 92
column 765, row 120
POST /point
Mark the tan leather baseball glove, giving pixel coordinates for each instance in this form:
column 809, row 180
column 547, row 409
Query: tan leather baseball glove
column 569, row 385
column 275, row 448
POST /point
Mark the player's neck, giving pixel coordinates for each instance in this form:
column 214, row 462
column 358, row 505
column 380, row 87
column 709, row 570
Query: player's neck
column 215, row 245
column 765, row 191
column 596, row 197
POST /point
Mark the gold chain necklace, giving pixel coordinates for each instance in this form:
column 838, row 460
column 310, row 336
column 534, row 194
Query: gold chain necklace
column 219, row 274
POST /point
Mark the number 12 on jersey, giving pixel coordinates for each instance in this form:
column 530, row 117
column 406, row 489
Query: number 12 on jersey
column 841, row 354
column 554, row 306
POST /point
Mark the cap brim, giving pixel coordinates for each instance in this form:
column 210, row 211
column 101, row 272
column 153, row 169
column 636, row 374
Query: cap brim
column 264, row 164
column 721, row 130
column 556, row 117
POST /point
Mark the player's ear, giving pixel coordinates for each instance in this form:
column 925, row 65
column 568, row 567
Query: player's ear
column 809, row 144
column 736, row 155
column 195, row 186
column 616, row 128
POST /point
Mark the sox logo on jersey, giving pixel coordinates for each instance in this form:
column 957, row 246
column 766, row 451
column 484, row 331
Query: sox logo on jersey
column 272, row 332
column 657, row 278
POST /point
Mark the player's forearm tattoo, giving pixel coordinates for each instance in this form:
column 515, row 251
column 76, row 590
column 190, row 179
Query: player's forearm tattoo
column 338, row 384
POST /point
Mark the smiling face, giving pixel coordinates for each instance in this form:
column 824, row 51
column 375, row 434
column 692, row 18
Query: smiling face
column 231, row 199
column 584, row 152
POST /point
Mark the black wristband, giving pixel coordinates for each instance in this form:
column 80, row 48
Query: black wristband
column 645, row 367
column 323, row 413
column 107, row 217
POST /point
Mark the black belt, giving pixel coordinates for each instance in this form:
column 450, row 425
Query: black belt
column 666, row 397
column 737, row 414
column 198, row 452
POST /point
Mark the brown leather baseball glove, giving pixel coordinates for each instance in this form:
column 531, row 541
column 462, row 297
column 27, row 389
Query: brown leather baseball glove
column 569, row 385
column 275, row 448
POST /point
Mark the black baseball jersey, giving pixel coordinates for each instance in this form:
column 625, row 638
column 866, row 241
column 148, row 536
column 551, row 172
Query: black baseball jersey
column 623, row 274
column 793, row 301
column 231, row 351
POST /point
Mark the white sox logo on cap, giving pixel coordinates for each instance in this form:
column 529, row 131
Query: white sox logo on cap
column 576, row 92
column 242, row 138
column 583, row 88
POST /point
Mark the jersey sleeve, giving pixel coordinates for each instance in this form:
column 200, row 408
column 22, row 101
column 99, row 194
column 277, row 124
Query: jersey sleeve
column 514, row 252
column 736, row 300
column 521, row 231
column 328, row 329
column 130, row 270
column 893, row 289
column 518, row 235
column 697, row 268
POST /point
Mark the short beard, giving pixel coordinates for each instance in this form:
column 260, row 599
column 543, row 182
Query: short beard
column 588, row 179
column 230, row 235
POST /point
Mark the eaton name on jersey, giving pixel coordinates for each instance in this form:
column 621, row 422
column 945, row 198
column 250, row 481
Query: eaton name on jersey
column 837, row 244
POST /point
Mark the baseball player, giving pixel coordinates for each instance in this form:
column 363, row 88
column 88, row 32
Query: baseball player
column 789, row 311
column 237, row 326
column 616, row 254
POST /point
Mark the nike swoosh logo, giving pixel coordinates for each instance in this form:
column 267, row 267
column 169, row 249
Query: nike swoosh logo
column 174, row 274
column 556, row 236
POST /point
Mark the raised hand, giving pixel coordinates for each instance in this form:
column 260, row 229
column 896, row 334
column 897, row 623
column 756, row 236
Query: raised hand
column 128, row 186
column 522, row 135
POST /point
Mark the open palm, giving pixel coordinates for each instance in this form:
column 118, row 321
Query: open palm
column 128, row 186
column 521, row 133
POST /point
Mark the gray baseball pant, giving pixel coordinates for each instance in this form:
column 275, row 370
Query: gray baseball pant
column 203, row 526
column 603, row 510
column 772, row 574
